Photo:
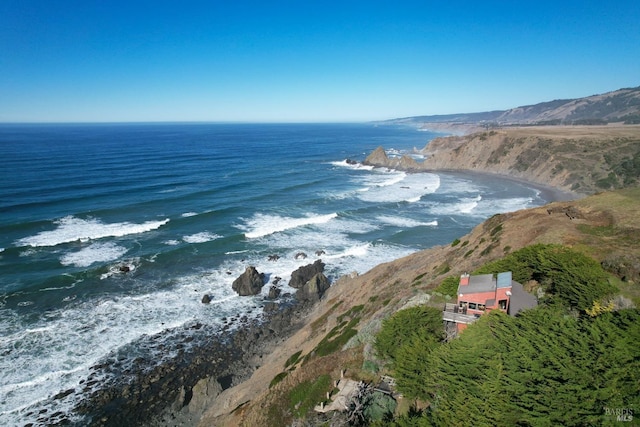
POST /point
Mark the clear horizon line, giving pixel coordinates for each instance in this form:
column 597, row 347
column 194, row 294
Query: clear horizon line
column 189, row 122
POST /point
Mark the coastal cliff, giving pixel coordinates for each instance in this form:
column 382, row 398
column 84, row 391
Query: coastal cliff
column 363, row 301
column 338, row 334
column 577, row 159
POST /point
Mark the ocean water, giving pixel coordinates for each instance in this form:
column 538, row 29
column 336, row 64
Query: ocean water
column 185, row 208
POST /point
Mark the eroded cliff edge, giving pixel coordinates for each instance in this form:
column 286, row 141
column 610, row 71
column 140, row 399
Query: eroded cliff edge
column 576, row 159
column 581, row 160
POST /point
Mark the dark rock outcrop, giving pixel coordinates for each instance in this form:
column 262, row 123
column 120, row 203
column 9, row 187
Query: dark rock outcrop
column 314, row 289
column 178, row 391
column 303, row 274
column 273, row 292
column 249, row 283
column 206, row 299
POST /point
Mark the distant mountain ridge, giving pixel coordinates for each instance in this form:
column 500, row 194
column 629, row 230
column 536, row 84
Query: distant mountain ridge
column 622, row 105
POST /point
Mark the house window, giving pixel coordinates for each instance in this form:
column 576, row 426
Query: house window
column 502, row 304
column 481, row 307
column 472, row 305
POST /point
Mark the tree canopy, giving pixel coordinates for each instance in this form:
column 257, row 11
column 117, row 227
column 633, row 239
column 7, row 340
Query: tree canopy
column 552, row 365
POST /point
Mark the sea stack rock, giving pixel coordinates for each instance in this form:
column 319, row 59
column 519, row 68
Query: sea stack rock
column 314, row 288
column 303, row 274
column 249, row 283
column 379, row 158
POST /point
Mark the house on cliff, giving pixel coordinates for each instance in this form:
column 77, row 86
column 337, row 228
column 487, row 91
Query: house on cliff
column 482, row 293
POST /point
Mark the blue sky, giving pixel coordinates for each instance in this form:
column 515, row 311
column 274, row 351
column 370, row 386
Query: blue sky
column 303, row 61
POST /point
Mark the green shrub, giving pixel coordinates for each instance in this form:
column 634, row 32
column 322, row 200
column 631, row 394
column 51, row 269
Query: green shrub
column 541, row 368
column 399, row 329
column 337, row 337
column 572, row 277
column 277, row 378
column 449, row 286
column 293, row 359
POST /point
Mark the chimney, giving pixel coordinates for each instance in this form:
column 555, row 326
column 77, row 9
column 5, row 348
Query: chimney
column 464, row 279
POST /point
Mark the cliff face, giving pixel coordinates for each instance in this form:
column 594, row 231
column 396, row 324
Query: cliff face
column 577, row 159
column 389, row 287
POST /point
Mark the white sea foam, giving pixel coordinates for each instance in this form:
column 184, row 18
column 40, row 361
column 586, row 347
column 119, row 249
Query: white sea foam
column 188, row 214
column 504, row 205
column 357, row 251
column 263, row 225
column 119, row 268
column 468, row 205
column 405, row 222
column 171, row 242
column 354, row 166
column 384, row 179
column 57, row 352
column 398, row 187
column 236, row 252
column 202, row 237
column 72, row 229
column 464, row 205
column 54, row 288
column 28, row 252
column 95, row 252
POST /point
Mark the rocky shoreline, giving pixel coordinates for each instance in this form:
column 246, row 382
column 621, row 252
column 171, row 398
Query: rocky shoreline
column 180, row 391
column 177, row 392
column 206, row 361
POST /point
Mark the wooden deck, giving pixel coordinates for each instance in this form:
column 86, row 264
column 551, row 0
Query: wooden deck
column 451, row 314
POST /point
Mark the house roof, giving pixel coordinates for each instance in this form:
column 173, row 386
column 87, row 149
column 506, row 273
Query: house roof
column 484, row 283
column 521, row 299
column 504, row 280
column 479, row 283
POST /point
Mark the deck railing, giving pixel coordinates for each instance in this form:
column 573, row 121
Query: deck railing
column 451, row 314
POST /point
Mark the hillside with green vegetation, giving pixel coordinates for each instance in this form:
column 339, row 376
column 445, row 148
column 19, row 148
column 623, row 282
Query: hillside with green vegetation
column 562, row 363
column 573, row 360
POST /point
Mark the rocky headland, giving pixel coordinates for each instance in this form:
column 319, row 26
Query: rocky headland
column 578, row 160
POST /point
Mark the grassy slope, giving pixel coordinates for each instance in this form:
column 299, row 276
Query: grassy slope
column 572, row 158
column 603, row 227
